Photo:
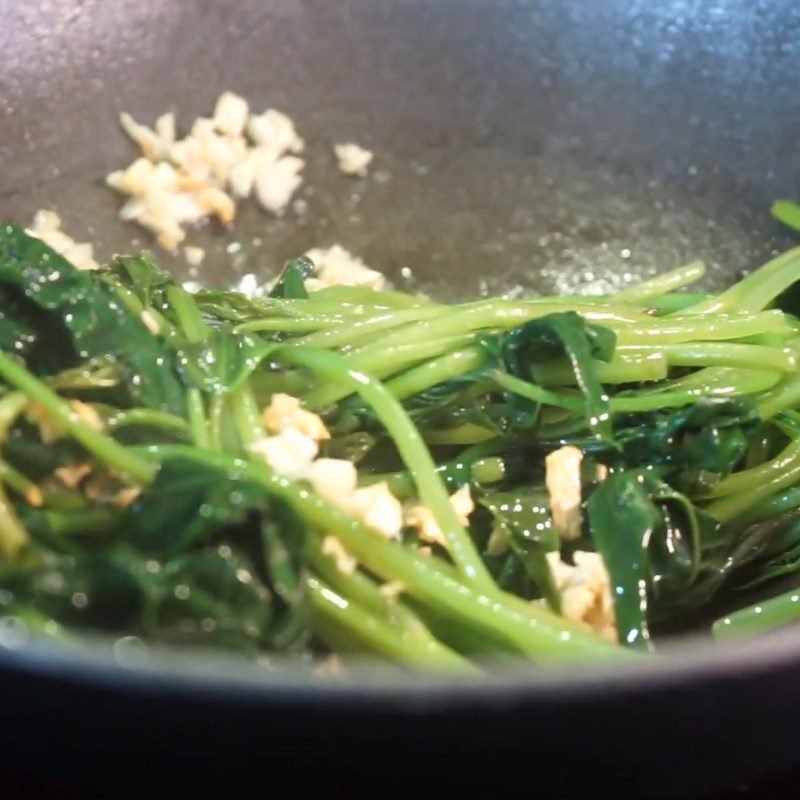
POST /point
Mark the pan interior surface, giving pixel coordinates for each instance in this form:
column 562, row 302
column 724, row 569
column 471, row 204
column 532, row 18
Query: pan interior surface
column 548, row 146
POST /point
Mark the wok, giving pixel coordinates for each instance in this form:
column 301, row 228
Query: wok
column 541, row 144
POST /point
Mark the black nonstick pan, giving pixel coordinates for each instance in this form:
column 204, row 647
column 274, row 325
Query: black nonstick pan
column 547, row 145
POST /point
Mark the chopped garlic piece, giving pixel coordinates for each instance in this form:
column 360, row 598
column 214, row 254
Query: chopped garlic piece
column 231, row 113
column 563, row 480
column 353, row 159
column 331, row 668
column 165, row 127
column 275, row 130
column 289, row 453
column 164, row 200
column 194, row 255
column 208, row 155
column 285, row 411
column 127, row 496
column 72, row 474
column 392, row 590
column 335, row 266
column 47, row 227
column 377, row 508
column 34, row 496
column 243, row 175
column 87, row 414
column 49, row 431
column 180, row 182
column 277, row 182
column 585, row 591
column 333, row 479
column 150, row 322
column 421, row 517
column 153, row 145
column 345, row 562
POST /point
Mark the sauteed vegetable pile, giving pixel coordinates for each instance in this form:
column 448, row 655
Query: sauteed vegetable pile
column 370, row 472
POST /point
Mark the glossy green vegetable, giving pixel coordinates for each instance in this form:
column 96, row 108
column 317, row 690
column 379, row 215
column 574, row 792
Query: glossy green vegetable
column 136, row 497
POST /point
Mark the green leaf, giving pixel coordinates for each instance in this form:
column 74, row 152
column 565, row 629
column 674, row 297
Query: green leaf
column 524, row 518
column 291, row 283
column 214, row 596
column 283, row 542
column 787, row 212
column 710, row 436
column 187, row 505
column 143, row 277
column 622, row 520
column 222, row 361
column 23, row 331
column 567, row 333
column 665, row 556
column 97, row 322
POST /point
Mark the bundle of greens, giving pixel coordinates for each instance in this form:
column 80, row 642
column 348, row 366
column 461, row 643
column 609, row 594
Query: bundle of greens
column 373, row 473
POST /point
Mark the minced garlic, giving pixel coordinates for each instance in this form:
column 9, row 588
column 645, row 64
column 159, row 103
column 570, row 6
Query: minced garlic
column 46, row 226
column 178, row 182
column 353, row 159
column 335, row 266
column 377, row 508
column 563, row 481
column 585, row 591
column 285, row 411
column 72, row 474
column 421, row 518
column 344, row 561
column 289, row 453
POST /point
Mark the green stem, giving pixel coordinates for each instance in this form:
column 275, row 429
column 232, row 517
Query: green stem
column 129, row 299
column 743, row 490
column 675, row 303
column 246, row 415
column 772, row 507
column 535, row 630
column 189, row 317
column 23, row 486
column 284, row 325
column 148, row 417
column 536, row 393
column 103, row 447
column 689, row 328
column 215, row 421
column 436, row 371
column 661, row 284
column 718, row 354
column 782, row 397
column 375, row 633
column 196, row 413
column 744, row 480
column 621, row 369
column 13, row 536
column 758, row 289
column 760, row 617
column 362, row 590
column 410, row 445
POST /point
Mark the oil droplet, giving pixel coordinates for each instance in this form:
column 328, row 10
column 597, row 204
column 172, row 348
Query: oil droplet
column 130, row 651
column 14, row 633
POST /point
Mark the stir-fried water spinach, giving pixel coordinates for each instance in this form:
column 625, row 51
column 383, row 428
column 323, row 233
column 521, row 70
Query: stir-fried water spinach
column 136, row 499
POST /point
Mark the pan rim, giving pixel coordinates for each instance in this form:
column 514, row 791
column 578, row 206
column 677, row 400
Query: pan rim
column 177, row 674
